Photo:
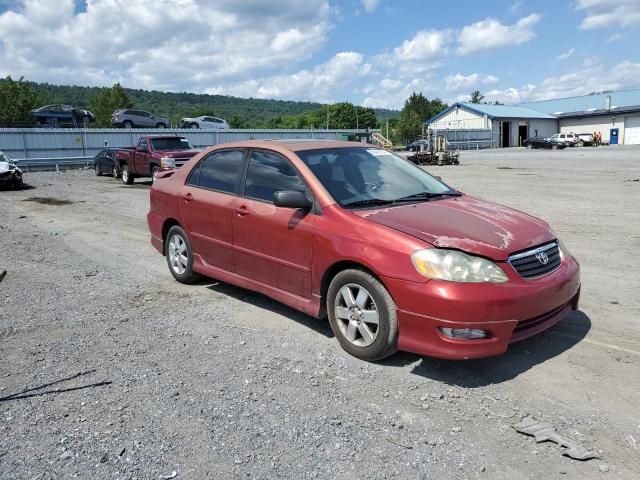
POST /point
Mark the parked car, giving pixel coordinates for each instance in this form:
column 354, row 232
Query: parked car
column 104, row 163
column 152, row 154
column 570, row 139
column 539, row 142
column 585, row 139
column 59, row 115
column 393, row 256
column 418, row 145
column 10, row 173
column 211, row 123
column 137, row 119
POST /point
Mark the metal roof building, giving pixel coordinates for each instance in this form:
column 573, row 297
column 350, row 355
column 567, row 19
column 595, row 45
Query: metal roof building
column 616, row 115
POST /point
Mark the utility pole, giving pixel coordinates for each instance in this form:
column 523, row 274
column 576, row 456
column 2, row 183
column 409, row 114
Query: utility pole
column 327, row 117
column 357, row 122
column 387, row 129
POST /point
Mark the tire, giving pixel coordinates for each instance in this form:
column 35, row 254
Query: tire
column 177, row 250
column 194, row 125
column 127, row 124
column 114, row 172
column 529, row 146
column 369, row 299
column 581, row 143
column 154, row 173
column 18, row 184
column 97, row 170
column 127, row 177
column 160, row 125
column 554, row 147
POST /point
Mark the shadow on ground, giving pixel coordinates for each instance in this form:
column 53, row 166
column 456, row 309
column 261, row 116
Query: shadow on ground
column 262, row 301
column 518, row 359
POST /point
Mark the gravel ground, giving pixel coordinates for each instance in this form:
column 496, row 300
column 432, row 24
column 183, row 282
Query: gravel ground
column 110, row 369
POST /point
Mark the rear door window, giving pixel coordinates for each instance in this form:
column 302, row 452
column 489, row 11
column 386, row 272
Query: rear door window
column 268, row 173
column 219, row 171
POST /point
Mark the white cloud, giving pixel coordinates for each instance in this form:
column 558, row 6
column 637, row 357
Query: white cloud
column 567, row 54
column 370, row 5
column 319, row 83
column 489, row 34
column 609, row 13
column 517, row 6
column 159, row 44
column 460, row 82
column 593, row 77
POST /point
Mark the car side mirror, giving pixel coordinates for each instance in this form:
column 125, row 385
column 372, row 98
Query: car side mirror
column 291, row 199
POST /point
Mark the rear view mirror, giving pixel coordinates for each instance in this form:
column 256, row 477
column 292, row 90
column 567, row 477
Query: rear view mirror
column 291, row 199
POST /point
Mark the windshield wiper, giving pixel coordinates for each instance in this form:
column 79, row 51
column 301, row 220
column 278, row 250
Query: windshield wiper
column 370, row 202
column 426, row 196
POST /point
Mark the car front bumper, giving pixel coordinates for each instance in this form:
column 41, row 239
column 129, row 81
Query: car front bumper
column 508, row 312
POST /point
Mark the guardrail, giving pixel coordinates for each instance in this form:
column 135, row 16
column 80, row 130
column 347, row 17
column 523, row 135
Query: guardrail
column 50, row 164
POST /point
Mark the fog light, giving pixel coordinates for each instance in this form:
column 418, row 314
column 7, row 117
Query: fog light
column 464, row 333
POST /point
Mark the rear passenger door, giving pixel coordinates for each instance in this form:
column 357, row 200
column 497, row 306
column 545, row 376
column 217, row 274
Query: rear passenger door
column 273, row 245
column 208, row 202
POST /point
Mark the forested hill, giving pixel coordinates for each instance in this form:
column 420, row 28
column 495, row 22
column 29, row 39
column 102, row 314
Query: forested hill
column 251, row 112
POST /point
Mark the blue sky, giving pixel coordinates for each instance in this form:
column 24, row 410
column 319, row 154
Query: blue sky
column 369, row 52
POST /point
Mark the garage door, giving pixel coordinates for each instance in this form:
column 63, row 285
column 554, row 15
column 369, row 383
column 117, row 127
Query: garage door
column 632, row 130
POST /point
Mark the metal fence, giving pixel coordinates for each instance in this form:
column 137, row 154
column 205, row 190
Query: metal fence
column 39, row 148
column 470, row 139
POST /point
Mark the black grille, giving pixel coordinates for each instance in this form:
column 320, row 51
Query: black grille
column 531, row 263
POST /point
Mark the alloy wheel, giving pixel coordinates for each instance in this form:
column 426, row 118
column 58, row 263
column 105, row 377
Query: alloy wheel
column 178, row 254
column 357, row 315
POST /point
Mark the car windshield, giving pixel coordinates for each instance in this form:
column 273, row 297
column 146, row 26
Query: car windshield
column 171, row 143
column 359, row 175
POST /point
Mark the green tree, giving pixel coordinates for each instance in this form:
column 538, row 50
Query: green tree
column 17, row 99
column 417, row 109
column 476, row 97
column 107, row 101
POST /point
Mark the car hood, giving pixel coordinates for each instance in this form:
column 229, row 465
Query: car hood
column 465, row 223
column 176, row 153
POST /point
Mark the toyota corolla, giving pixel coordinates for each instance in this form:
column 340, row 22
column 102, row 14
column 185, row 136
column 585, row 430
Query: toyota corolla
column 394, row 257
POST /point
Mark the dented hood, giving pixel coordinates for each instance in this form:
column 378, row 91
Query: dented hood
column 465, row 223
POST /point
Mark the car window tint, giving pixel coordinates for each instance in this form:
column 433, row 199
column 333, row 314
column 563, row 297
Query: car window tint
column 268, row 173
column 194, row 176
column 220, row 171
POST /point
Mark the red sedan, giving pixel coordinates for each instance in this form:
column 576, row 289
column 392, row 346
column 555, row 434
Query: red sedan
column 395, row 258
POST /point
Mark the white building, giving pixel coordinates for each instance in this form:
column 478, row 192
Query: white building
column 616, row 115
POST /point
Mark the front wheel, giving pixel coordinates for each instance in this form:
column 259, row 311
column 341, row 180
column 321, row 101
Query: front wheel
column 177, row 249
column 161, row 125
column 194, row 125
column 127, row 177
column 362, row 315
column 554, row 147
column 529, row 146
column 98, row 171
column 581, row 143
column 114, row 172
column 154, row 174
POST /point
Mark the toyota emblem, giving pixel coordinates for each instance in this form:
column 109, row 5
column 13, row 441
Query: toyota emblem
column 542, row 258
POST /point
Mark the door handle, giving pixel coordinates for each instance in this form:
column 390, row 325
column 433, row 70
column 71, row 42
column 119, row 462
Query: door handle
column 242, row 211
column 187, row 197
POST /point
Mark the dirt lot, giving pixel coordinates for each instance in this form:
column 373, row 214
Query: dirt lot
column 110, row 369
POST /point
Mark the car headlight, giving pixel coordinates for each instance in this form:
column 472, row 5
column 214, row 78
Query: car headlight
column 455, row 266
column 564, row 252
column 168, row 162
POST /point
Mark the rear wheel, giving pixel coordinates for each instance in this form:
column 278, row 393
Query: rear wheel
column 554, row 147
column 127, row 177
column 194, row 125
column 581, row 143
column 362, row 315
column 177, row 249
column 114, row 172
column 127, row 124
column 98, row 170
column 160, row 125
column 529, row 146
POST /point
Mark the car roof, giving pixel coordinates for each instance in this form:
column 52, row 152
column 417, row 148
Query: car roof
column 301, row 144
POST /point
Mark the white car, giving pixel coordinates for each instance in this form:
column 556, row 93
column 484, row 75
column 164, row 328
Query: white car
column 209, row 123
column 571, row 139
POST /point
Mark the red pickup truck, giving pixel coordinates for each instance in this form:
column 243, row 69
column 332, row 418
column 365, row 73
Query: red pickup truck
column 152, row 154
